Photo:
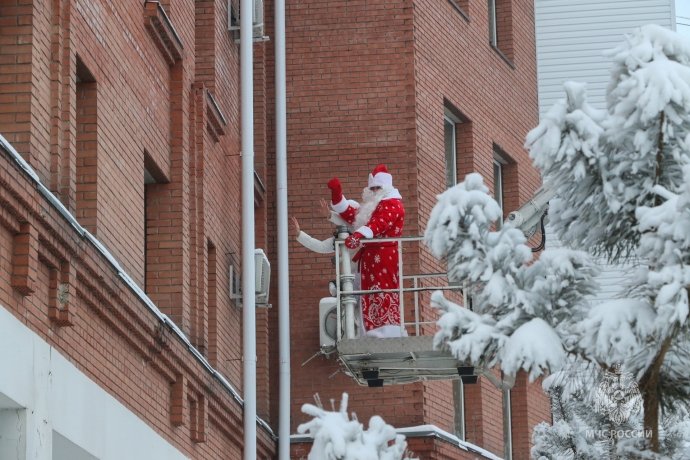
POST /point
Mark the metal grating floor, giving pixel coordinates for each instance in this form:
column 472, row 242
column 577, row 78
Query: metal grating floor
column 389, row 361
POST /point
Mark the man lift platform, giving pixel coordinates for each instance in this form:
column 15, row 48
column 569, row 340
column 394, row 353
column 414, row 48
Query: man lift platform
column 412, row 357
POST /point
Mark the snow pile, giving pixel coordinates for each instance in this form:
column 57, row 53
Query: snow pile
column 336, row 437
column 519, row 308
column 613, row 330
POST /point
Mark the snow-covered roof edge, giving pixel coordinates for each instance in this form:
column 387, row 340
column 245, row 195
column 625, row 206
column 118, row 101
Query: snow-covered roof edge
column 72, row 220
column 422, row 431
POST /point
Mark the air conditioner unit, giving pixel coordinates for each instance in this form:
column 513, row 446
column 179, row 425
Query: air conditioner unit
column 262, row 273
column 257, row 19
column 328, row 322
column 262, row 281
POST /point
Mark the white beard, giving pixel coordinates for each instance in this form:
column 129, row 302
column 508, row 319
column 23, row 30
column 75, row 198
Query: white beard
column 370, row 200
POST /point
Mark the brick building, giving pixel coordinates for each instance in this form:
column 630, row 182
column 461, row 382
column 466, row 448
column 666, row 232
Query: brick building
column 117, row 322
column 128, row 112
column 402, row 82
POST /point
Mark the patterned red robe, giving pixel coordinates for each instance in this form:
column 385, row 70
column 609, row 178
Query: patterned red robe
column 378, row 266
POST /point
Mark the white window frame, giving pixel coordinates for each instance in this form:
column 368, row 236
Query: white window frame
column 498, row 165
column 493, row 32
column 451, row 158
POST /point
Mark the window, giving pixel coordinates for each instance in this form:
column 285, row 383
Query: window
column 204, row 40
column 498, row 187
column 458, row 144
column 505, row 181
column 459, row 408
column 148, row 224
column 493, row 34
column 507, row 426
column 212, row 303
column 462, row 6
column 498, row 182
column 154, row 218
column 87, row 148
column 450, row 137
column 501, row 27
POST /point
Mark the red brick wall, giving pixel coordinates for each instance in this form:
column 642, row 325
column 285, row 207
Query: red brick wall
column 457, row 67
column 368, row 84
column 350, row 106
column 144, row 105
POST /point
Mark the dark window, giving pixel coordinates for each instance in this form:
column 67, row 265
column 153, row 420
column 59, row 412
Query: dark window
column 501, row 27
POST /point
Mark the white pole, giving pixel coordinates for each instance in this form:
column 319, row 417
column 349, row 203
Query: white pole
column 347, row 279
column 283, row 260
column 248, row 275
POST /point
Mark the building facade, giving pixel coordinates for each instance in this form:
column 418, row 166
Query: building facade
column 434, row 90
column 573, row 37
column 120, row 339
column 120, row 223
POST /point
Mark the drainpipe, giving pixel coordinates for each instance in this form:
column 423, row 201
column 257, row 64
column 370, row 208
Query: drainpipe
column 248, row 275
column 283, row 266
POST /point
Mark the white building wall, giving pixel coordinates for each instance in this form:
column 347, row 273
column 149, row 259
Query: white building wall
column 613, row 280
column 572, row 35
column 49, row 410
column 571, row 38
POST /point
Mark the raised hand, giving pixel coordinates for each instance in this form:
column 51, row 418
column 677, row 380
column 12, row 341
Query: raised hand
column 336, row 190
column 295, row 226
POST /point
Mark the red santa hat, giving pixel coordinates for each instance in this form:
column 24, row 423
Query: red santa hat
column 380, row 177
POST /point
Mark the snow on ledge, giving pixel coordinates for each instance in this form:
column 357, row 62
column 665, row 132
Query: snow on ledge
column 434, row 431
column 100, row 247
column 422, row 431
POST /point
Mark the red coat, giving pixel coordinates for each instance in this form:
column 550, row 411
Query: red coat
column 378, row 263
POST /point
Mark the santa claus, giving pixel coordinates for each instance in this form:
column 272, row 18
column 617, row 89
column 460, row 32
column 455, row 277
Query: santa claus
column 380, row 215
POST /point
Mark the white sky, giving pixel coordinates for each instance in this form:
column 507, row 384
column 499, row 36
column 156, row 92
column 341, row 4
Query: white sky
column 683, row 16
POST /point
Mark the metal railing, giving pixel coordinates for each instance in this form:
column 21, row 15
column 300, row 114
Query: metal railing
column 347, row 296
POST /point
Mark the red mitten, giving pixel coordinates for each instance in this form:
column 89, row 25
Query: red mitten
column 352, row 241
column 336, row 190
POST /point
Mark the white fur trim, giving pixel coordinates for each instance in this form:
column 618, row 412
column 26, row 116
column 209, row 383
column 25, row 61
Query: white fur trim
column 393, row 193
column 382, row 179
column 386, row 331
column 341, row 206
column 366, row 231
column 337, row 220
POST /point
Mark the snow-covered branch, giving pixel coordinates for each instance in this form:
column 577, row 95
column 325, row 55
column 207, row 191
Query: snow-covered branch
column 622, row 189
column 337, row 437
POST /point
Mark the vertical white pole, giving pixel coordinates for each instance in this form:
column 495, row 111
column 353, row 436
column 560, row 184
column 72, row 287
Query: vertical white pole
column 401, row 299
column 347, row 279
column 283, row 259
column 248, row 274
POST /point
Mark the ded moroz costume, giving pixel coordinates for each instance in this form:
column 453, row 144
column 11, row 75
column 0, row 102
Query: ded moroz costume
column 381, row 215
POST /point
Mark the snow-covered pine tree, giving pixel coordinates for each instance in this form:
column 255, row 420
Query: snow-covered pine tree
column 576, row 431
column 524, row 310
column 622, row 181
column 337, row 437
column 623, row 185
